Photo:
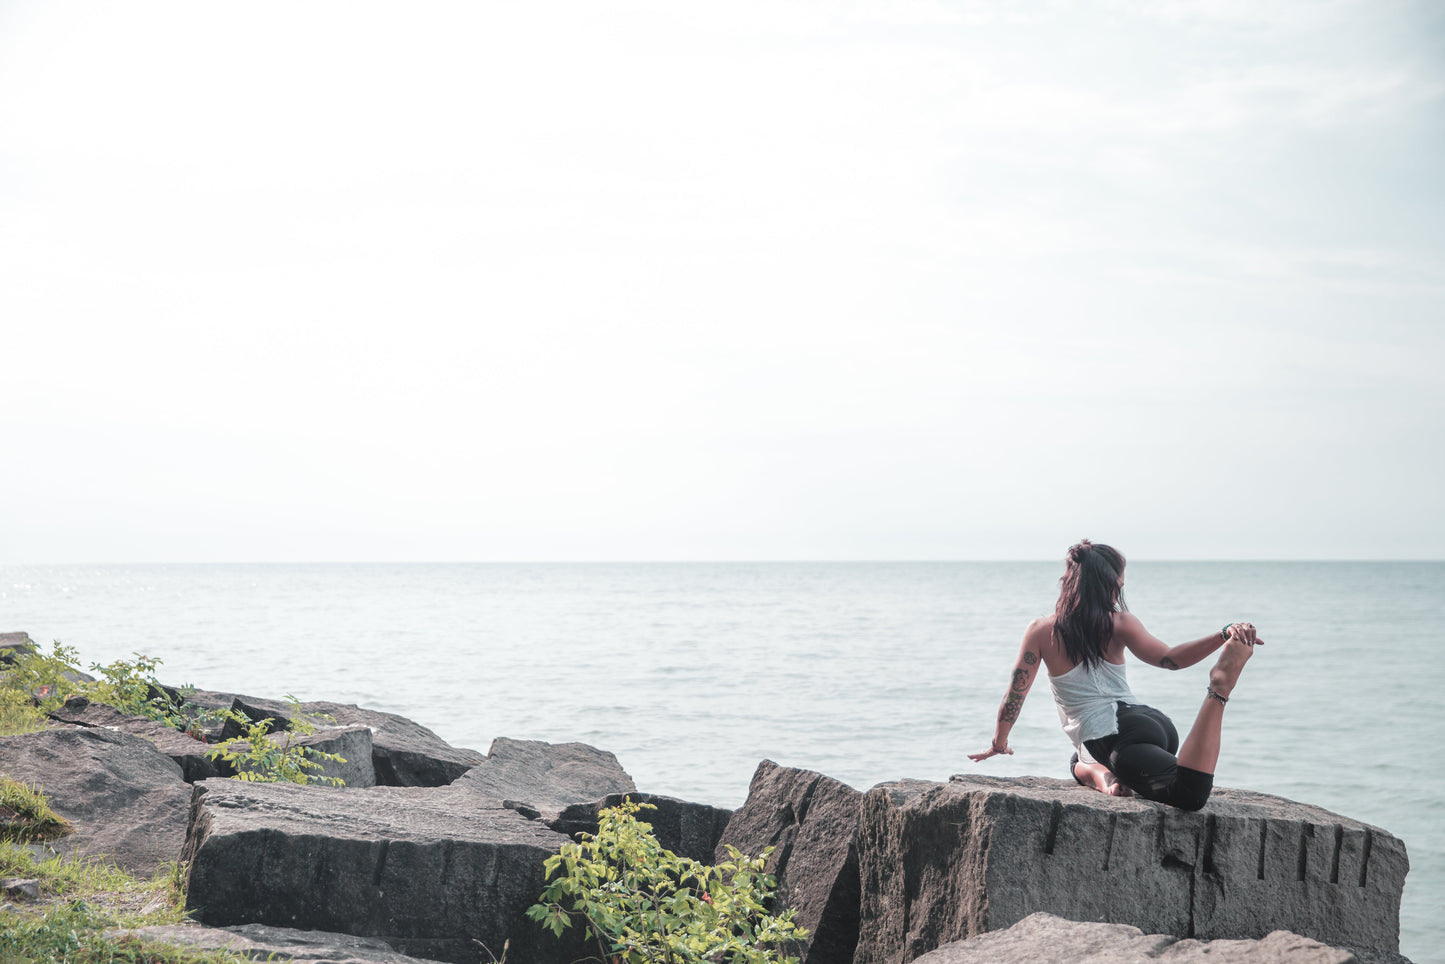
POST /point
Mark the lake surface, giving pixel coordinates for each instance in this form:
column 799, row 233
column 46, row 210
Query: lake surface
column 693, row 672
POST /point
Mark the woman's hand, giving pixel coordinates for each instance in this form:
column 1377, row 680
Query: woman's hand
column 991, row 751
column 1244, row 632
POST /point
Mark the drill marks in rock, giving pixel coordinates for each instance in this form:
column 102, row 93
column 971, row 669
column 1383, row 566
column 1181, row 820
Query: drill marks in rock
column 380, row 863
column 1109, row 838
column 1365, row 856
column 1335, row 861
column 1306, row 833
column 1263, row 840
column 1056, row 815
column 1208, row 848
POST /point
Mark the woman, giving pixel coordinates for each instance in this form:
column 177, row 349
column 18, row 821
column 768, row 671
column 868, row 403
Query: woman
column 1122, row 747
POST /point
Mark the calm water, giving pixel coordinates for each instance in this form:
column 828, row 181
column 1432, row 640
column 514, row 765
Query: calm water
column 692, row 673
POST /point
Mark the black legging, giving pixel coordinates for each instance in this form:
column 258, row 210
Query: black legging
column 1141, row 755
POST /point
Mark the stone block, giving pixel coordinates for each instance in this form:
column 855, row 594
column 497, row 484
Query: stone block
column 945, row 862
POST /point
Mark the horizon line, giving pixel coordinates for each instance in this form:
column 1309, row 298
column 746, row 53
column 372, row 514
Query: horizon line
column 721, row 561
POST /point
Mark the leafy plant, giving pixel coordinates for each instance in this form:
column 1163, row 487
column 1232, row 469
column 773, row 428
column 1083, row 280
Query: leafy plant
column 18, row 712
column 25, row 815
column 643, row 904
column 130, row 685
column 263, row 756
column 47, row 680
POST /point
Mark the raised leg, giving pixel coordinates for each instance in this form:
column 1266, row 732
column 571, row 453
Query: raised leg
column 1201, row 747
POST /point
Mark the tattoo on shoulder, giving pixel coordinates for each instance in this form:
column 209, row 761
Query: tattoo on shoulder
column 1030, row 658
column 1168, row 663
column 1009, row 712
column 1021, row 680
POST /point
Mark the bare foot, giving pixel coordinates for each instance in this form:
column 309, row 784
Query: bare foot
column 1096, row 776
column 1230, row 664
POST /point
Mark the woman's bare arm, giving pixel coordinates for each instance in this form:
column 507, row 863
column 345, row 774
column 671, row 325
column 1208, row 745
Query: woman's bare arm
column 1025, row 669
column 1156, row 652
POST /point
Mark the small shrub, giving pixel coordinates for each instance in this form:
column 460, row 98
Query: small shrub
column 130, row 685
column 45, row 679
column 18, row 712
column 259, row 758
column 646, row 905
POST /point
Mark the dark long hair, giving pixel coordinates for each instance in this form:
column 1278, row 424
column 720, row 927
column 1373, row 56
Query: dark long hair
column 1089, row 595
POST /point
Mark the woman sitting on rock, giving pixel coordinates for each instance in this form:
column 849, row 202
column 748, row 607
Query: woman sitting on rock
column 1122, row 747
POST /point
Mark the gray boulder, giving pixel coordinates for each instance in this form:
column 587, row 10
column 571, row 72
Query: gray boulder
column 1044, row 937
column 429, row 871
column 404, row 753
column 687, row 829
column 547, row 778
column 810, row 819
column 274, row 943
column 125, row 799
column 14, row 644
column 945, row 862
column 188, row 752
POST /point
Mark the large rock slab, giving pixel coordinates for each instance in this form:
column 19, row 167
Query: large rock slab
column 125, row 798
column 687, row 829
column 1044, row 937
column 428, row 871
column 188, row 752
column 810, row 819
column 404, row 753
column 274, row 943
column 547, row 778
column 945, row 862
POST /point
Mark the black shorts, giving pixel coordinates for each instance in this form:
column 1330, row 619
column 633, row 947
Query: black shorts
column 1141, row 755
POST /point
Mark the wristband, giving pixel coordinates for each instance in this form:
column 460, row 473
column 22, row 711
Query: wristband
column 1224, row 633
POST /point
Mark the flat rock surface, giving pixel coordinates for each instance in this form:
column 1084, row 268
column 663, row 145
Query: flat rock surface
column 430, row 871
column 945, row 862
column 277, row 943
column 810, row 820
column 547, row 777
column 125, row 798
column 1044, row 937
column 188, row 752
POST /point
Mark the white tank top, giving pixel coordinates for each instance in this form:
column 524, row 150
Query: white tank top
column 1087, row 700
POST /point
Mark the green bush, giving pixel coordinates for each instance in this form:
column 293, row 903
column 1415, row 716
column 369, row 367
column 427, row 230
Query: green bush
column 260, row 756
column 646, row 905
column 130, row 685
column 46, row 680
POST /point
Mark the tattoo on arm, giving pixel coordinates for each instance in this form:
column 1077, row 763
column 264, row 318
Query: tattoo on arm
column 1021, row 680
column 1030, row 658
column 1009, row 712
column 1168, row 663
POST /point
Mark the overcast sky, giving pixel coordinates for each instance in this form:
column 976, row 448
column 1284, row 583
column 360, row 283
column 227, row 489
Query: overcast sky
column 502, row 281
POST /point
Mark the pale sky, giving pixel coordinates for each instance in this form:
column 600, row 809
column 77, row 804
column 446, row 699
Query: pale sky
column 744, row 280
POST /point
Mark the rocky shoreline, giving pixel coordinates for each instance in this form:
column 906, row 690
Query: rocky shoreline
column 433, row 852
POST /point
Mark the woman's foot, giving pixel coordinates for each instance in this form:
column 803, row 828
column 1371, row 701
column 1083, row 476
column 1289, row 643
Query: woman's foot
column 1230, row 664
column 1096, row 776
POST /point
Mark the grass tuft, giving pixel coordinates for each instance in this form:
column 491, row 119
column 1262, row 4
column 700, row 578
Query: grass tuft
column 25, row 816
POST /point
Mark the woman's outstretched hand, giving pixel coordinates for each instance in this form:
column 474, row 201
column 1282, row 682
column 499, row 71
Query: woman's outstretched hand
column 1244, row 632
column 991, row 751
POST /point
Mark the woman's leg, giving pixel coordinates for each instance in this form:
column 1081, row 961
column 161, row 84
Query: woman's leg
column 1141, row 754
column 1201, row 747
